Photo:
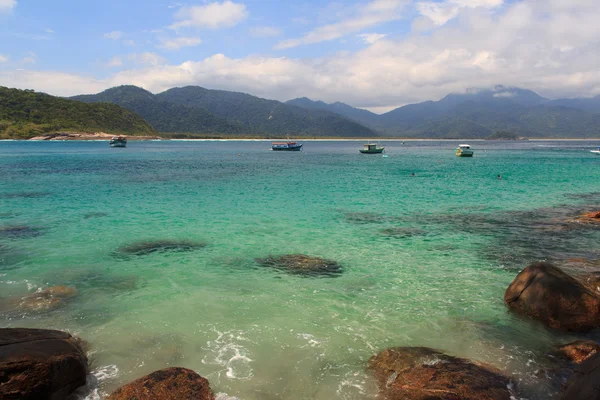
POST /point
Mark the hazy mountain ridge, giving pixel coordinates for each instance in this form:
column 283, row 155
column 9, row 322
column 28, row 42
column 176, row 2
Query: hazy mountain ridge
column 479, row 114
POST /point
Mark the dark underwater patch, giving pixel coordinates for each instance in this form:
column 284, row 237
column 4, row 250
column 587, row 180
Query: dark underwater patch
column 402, row 232
column 23, row 195
column 19, row 232
column 159, row 246
column 95, row 215
column 303, row 265
column 365, row 218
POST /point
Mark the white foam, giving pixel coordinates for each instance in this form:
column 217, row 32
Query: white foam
column 225, row 396
column 227, row 352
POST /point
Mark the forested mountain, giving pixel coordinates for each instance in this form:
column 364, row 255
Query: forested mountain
column 482, row 113
column 163, row 116
column 359, row 115
column 25, row 114
column 196, row 110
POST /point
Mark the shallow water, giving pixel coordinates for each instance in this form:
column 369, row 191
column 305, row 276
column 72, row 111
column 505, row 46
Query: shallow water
column 426, row 258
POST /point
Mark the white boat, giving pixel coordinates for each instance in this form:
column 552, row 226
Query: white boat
column 596, row 152
column 464, row 150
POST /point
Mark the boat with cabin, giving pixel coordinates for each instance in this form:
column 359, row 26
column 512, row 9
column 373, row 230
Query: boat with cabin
column 118, row 141
column 372, row 148
column 464, row 150
column 286, row 146
column 596, row 152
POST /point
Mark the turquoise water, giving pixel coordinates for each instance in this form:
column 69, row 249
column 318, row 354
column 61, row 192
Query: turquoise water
column 426, row 257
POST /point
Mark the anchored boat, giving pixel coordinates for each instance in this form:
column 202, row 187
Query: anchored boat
column 286, row 146
column 118, row 141
column 372, row 148
column 464, row 150
column 596, row 152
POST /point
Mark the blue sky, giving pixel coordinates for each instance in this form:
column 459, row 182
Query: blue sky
column 376, row 54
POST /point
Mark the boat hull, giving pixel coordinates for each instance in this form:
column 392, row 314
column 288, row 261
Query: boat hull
column 460, row 153
column 376, row 151
column 596, row 152
column 118, row 144
column 290, row 148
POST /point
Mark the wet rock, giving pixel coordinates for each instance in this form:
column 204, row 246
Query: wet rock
column 584, row 383
column 47, row 299
column 19, row 232
column 39, row 364
column 545, row 293
column 149, row 247
column 420, row 373
column 400, row 232
column 166, row 384
column 576, row 352
column 589, row 218
column 95, row 215
column 300, row 264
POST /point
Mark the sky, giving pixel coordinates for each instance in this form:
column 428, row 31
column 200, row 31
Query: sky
column 377, row 54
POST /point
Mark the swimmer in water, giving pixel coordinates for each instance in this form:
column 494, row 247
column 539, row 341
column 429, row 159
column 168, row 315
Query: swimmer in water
column 499, row 177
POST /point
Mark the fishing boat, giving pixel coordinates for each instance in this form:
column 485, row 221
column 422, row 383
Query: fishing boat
column 372, row 148
column 596, row 152
column 118, row 141
column 286, row 146
column 464, row 150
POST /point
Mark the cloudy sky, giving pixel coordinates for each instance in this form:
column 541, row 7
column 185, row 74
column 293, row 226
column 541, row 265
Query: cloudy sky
column 376, row 54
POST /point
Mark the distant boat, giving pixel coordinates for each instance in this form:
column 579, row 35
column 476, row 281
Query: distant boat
column 286, row 146
column 596, row 152
column 118, row 141
column 464, row 150
column 372, row 148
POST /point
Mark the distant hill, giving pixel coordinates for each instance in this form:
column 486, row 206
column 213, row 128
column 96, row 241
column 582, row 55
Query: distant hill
column 269, row 117
column 197, row 110
column 163, row 116
column 481, row 113
column 359, row 115
column 25, row 114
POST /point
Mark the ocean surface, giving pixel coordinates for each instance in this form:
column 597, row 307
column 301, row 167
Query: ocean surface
column 426, row 258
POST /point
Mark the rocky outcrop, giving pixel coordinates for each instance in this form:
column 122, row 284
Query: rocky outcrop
column 166, row 384
column 546, row 294
column 300, row 264
column 584, row 383
column 576, row 352
column 39, row 364
column 421, row 373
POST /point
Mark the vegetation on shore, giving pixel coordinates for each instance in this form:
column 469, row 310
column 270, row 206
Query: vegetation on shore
column 25, row 114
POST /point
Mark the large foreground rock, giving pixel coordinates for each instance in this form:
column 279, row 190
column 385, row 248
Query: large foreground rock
column 584, row 383
column 39, row 364
column 547, row 294
column 166, row 384
column 421, row 373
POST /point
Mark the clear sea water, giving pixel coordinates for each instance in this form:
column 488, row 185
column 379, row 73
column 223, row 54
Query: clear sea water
column 426, row 257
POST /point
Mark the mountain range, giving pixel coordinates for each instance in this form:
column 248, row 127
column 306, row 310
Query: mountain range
column 479, row 114
column 194, row 110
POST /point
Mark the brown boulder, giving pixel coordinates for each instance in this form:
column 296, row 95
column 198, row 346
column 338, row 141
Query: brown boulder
column 547, row 294
column 584, row 383
column 47, row 299
column 577, row 351
column 166, row 384
column 40, row 364
column 421, row 373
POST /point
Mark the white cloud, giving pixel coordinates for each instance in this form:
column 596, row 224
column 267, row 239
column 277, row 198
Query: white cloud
column 179, row 42
column 147, row 58
column 371, row 14
column 3, row 58
column 129, row 42
column 115, row 62
column 212, row 16
column 264, row 31
column 6, row 5
column 30, row 58
column 549, row 46
column 114, row 35
column 370, row 38
column 48, row 30
column 441, row 13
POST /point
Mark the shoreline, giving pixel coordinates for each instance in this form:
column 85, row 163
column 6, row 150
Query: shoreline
column 98, row 138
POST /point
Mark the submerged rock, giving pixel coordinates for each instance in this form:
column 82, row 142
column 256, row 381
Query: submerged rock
column 23, row 195
column 19, row 232
column 400, row 232
column 421, row 373
column 95, row 215
column 166, row 384
column 46, row 299
column 576, row 352
column 545, row 293
column 584, row 383
column 39, row 364
column 365, row 218
column 300, row 264
column 154, row 246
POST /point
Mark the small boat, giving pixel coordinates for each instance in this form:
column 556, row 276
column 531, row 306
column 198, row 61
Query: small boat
column 372, row 148
column 118, row 141
column 596, row 152
column 464, row 150
column 286, row 146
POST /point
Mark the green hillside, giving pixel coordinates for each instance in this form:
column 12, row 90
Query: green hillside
column 25, row 114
